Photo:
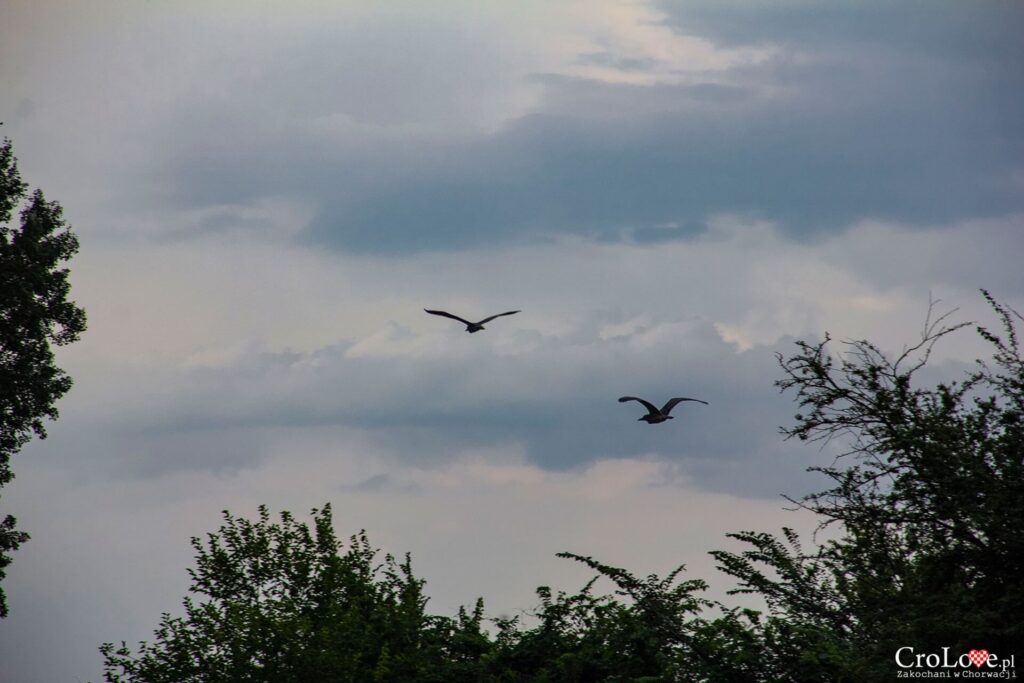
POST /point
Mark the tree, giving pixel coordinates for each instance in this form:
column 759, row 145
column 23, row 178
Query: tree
column 277, row 601
column 34, row 313
column 652, row 629
column 281, row 602
column 928, row 498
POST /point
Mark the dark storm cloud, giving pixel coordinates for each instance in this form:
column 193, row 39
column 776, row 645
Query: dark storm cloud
column 944, row 29
column 917, row 122
column 917, row 148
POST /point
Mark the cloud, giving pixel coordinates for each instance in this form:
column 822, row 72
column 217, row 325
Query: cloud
column 401, row 132
column 269, row 338
column 824, row 153
column 945, row 30
column 813, row 137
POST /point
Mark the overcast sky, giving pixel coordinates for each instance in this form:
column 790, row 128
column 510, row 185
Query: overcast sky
column 268, row 195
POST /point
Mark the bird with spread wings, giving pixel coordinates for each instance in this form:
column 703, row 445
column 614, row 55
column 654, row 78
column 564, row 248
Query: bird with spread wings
column 470, row 327
column 654, row 414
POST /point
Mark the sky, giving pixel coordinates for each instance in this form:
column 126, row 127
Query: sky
column 268, row 195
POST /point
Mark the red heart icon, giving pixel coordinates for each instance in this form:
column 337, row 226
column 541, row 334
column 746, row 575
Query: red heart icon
column 978, row 657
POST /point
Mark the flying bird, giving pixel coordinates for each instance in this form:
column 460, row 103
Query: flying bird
column 654, row 415
column 470, row 327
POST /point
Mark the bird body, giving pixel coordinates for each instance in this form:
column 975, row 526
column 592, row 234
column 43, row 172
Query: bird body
column 657, row 415
column 471, row 327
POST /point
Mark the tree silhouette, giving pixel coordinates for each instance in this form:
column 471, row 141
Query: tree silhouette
column 928, row 499
column 278, row 601
column 35, row 313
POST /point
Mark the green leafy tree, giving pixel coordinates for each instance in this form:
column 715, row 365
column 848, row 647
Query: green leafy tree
column 35, row 313
column 643, row 636
column 928, row 500
column 278, row 601
column 651, row 629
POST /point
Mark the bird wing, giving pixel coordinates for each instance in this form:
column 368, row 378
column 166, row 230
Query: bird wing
column 651, row 408
column 673, row 401
column 448, row 315
column 487, row 320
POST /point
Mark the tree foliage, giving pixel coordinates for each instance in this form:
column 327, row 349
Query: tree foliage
column 35, row 313
column 280, row 601
column 928, row 500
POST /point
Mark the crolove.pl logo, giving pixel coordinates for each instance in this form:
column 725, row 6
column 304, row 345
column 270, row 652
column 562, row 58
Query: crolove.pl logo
column 976, row 663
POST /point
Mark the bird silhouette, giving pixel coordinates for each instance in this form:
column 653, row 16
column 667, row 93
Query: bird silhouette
column 470, row 327
column 654, row 415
